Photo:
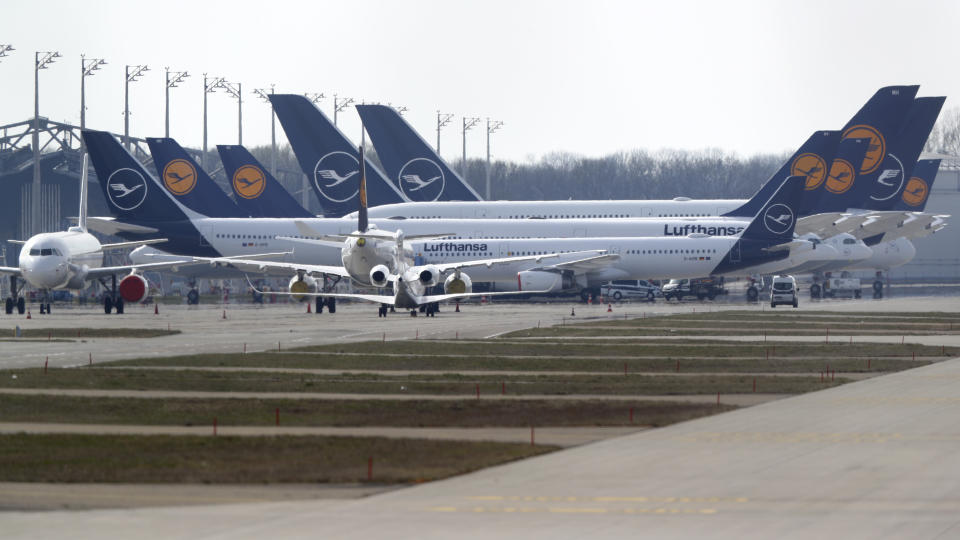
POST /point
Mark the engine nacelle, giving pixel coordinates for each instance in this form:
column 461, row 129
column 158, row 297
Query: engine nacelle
column 458, row 284
column 429, row 276
column 300, row 285
column 379, row 275
column 133, row 288
column 545, row 281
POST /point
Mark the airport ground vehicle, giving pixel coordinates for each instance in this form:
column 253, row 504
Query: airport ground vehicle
column 783, row 290
column 701, row 288
column 621, row 289
column 841, row 287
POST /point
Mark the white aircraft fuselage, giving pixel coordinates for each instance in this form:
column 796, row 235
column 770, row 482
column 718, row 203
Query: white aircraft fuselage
column 59, row 260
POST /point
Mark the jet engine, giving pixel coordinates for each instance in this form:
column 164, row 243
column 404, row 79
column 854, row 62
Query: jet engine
column 428, row 276
column 379, row 275
column 133, row 288
column 301, row 284
column 545, row 280
column 458, row 283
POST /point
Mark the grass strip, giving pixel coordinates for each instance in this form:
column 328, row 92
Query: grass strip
column 416, row 384
column 225, row 460
column 348, row 413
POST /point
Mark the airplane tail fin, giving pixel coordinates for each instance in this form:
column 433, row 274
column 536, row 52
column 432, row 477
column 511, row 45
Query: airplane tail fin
column 362, row 221
column 843, row 187
column 917, row 191
column 187, row 182
column 410, row 162
column 776, row 221
column 84, row 176
column 895, row 170
column 328, row 158
column 255, row 190
column 131, row 193
column 811, row 160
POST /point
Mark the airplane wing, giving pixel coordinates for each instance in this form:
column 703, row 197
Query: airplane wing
column 588, row 264
column 9, row 270
column 17, row 242
column 253, row 265
column 328, row 241
column 138, row 243
column 111, row 226
column 788, row 245
column 94, row 273
column 442, row 297
column 378, row 299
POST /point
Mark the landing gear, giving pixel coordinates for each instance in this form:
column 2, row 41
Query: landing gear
column 193, row 297
column 816, row 291
column 320, row 303
column 752, row 294
column 111, row 300
column 431, row 309
column 15, row 300
column 877, row 289
column 382, row 311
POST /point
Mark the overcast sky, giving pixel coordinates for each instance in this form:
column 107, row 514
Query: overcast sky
column 586, row 77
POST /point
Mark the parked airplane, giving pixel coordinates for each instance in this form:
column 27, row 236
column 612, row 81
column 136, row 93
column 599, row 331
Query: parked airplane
column 185, row 180
column 69, row 259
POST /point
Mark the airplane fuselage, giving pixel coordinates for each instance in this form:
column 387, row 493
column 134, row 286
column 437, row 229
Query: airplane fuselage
column 59, row 260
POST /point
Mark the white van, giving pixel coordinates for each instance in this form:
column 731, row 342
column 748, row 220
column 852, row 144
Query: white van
column 783, row 290
column 640, row 289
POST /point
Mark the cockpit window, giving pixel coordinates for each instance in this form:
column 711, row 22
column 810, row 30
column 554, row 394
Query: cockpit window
column 34, row 252
column 44, row 252
column 848, row 241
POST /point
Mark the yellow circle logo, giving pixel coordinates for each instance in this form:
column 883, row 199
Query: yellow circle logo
column 812, row 166
column 915, row 192
column 249, row 181
column 179, row 176
column 841, row 176
column 876, row 148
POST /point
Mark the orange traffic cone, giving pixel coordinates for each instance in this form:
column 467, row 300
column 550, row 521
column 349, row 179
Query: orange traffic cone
column 572, row 312
column 458, row 308
column 609, row 308
column 224, row 314
column 308, row 307
column 156, row 308
column 28, row 314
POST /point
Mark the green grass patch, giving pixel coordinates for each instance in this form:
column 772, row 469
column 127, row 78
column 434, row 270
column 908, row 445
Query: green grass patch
column 760, row 363
column 418, row 384
column 391, row 413
column 225, row 460
column 92, row 332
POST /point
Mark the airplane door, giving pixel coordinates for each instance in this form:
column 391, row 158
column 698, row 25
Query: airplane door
column 735, row 252
column 505, row 249
column 645, row 212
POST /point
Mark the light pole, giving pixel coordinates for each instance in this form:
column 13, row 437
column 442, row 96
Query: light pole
column 4, row 49
column 340, row 104
column 442, row 120
column 468, row 122
column 178, row 77
column 39, row 62
column 273, row 128
column 87, row 67
column 131, row 77
column 491, row 127
column 236, row 90
column 209, row 85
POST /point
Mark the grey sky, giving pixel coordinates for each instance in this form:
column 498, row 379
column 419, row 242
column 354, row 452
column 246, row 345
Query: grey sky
column 587, row 77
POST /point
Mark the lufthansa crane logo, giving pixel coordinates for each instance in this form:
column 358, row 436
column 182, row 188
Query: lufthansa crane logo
column 812, row 166
column 249, row 181
column 876, row 148
column 778, row 218
column 335, row 176
column 179, row 176
column 841, row 177
column 421, row 180
column 126, row 189
column 915, row 192
column 889, row 180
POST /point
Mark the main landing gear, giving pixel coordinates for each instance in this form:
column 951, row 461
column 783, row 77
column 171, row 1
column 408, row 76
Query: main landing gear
column 15, row 301
column 331, row 304
column 111, row 300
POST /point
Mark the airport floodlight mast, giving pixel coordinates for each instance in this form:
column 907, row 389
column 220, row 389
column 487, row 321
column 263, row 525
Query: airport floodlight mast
column 4, row 49
column 340, row 104
column 264, row 95
column 236, row 90
column 41, row 60
column 442, row 120
column 173, row 79
column 132, row 75
column 209, row 85
column 87, row 67
column 468, row 123
column 491, row 127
